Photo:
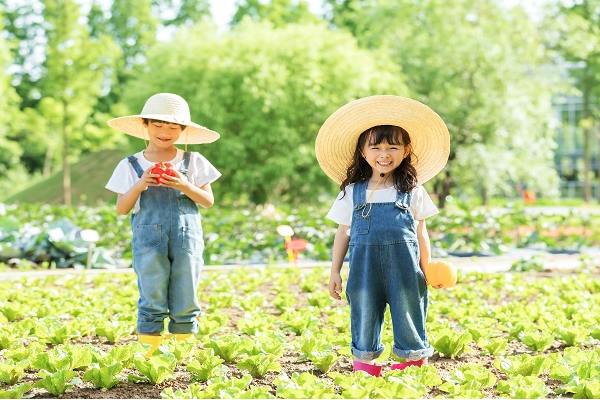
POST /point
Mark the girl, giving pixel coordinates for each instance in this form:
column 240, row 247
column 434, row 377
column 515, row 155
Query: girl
column 167, row 233
column 381, row 149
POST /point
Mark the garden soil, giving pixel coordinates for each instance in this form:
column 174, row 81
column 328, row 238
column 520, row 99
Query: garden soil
column 561, row 264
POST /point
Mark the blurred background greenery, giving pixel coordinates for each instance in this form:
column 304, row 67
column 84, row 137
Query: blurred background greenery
column 516, row 82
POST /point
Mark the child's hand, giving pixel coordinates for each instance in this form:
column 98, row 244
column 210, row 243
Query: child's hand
column 177, row 182
column 427, row 282
column 148, row 179
column 335, row 286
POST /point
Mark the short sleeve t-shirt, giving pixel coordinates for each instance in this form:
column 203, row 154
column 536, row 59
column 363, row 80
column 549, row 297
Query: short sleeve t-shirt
column 200, row 172
column 421, row 205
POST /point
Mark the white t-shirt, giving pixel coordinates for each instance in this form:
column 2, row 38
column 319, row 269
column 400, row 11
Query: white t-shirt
column 200, row 172
column 421, row 205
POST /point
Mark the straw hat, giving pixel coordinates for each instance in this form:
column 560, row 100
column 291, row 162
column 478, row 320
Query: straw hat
column 337, row 138
column 165, row 107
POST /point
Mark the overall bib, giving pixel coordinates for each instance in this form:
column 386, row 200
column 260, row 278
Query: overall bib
column 384, row 269
column 167, row 257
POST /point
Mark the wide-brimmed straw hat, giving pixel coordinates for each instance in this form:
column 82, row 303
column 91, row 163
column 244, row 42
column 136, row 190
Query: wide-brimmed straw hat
column 165, row 107
column 337, row 138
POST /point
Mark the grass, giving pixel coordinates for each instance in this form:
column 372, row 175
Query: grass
column 88, row 178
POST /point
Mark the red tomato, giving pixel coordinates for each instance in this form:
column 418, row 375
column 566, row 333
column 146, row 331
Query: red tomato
column 163, row 168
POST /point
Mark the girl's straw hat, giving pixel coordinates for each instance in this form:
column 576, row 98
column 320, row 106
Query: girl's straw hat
column 165, row 107
column 337, row 138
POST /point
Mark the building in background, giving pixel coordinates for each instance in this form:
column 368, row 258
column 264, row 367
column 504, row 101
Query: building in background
column 570, row 155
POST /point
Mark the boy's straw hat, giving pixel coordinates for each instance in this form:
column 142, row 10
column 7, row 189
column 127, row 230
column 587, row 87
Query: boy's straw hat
column 165, row 107
column 337, row 138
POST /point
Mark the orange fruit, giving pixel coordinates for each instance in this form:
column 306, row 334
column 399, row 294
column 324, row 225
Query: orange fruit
column 441, row 273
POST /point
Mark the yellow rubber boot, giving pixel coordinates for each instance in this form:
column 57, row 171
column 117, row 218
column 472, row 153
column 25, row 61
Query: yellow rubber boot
column 184, row 336
column 179, row 336
column 152, row 340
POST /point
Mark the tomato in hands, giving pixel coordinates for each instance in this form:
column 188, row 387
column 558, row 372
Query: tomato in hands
column 163, row 168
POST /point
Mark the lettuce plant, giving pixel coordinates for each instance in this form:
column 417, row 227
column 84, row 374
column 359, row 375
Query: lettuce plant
column 16, row 392
column 258, row 365
column 523, row 387
column 156, row 369
column 450, row 343
column 114, row 330
column 11, row 372
column 525, row 364
column 537, row 340
column 303, row 386
column 57, row 382
column 208, row 368
column 104, row 376
column 230, row 347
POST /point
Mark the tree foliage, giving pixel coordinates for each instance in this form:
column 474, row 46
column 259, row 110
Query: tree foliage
column 573, row 33
column 483, row 68
column 270, row 81
column 10, row 152
column 278, row 12
column 267, row 90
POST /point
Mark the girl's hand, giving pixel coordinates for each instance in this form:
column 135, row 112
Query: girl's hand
column 335, row 285
column 426, row 282
column 177, row 182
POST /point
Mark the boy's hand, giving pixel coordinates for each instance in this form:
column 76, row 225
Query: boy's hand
column 335, row 285
column 148, row 179
column 177, row 182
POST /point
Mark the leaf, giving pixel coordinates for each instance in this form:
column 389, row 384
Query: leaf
column 57, row 383
column 16, row 392
column 105, row 377
column 324, row 360
column 524, row 387
column 210, row 368
column 259, row 365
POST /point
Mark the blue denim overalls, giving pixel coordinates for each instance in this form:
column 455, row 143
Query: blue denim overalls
column 167, row 257
column 384, row 268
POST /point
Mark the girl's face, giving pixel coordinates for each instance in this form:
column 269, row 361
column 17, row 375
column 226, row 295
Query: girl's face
column 384, row 157
column 163, row 134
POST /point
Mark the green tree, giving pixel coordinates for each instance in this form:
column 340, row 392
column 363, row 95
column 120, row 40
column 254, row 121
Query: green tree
column 74, row 71
column 278, row 12
column 10, row 151
column 24, row 29
column 188, row 12
column 482, row 67
column 267, row 91
column 574, row 34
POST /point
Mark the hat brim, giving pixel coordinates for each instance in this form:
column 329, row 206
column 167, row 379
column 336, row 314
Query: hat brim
column 430, row 140
column 193, row 133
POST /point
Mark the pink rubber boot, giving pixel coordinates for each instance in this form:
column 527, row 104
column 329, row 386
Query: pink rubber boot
column 370, row 369
column 401, row 366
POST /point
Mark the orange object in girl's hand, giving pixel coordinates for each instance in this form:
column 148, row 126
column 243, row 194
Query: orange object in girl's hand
column 441, row 273
column 163, row 168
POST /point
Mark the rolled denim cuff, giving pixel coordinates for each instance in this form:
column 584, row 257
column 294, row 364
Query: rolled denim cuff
column 413, row 355
column 366, row 355
column 183, row 327
column 150, row 327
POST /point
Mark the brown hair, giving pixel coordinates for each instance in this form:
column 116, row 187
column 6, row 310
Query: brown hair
column 405, row 176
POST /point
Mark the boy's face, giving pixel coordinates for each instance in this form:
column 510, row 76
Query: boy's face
column 384, row 157
column 163, row 133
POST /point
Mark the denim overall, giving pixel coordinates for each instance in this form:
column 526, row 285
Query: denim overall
column 384, row 269
column 167, row 257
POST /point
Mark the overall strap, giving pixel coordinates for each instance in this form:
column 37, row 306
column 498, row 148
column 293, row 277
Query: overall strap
column 359, row 194
column 136, row 166
column 403, row 200
column 186, row 163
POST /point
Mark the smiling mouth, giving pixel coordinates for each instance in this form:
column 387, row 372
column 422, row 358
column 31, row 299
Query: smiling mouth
column 384, row 164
